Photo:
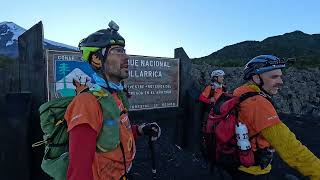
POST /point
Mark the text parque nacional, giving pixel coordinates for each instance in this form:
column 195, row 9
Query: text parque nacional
column 148, row 63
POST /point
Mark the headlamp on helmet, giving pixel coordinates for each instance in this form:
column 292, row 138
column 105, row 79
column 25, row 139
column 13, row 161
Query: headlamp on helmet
column 101, row 41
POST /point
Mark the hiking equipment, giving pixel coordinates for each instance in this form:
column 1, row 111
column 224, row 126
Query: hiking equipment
column 56, row 155
column 219, row 143
column 148, row 129
column 242, row 137
column 216, row 73
column 101, row 41
column 262, row 64
column 153, row 157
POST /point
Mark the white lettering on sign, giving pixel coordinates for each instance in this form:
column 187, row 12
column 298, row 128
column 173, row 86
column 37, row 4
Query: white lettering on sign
column 153, row 63
column 133, row 62
column 64, row 57
column 140, row 74
column 153, row 82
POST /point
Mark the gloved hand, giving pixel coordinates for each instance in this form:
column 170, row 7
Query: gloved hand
column 82, row 79
column 150, row 129
column 81, row 82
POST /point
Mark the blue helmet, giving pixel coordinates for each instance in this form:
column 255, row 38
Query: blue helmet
column 262, row 64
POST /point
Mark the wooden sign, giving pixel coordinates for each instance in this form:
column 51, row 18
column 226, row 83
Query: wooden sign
column 153, row 81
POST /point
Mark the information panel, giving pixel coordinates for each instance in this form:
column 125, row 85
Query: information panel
column 153, row 81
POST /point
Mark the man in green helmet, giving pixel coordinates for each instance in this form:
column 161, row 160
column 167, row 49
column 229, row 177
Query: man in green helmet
column 101, row 138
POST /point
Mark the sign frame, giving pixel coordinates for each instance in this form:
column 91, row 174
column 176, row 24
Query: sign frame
column 171, row 83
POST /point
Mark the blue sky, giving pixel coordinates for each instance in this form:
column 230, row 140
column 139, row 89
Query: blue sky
column 156, row 28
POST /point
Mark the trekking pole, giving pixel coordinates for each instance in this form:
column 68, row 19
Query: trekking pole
column 153, row 158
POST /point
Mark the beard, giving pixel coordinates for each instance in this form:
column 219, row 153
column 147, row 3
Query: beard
column 117, row 73
column 123, row 74
column 277, row 85
column 275, row 89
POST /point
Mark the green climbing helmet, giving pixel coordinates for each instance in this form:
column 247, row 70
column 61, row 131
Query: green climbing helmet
column 101, row 41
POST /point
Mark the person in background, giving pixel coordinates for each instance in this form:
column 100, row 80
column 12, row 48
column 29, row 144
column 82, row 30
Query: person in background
column 213, row 91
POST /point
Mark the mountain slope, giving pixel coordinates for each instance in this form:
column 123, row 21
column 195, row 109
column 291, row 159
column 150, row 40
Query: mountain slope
column 9, row 33
column 304, row 47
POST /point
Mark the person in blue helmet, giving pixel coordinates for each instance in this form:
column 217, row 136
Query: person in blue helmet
column 267, row 134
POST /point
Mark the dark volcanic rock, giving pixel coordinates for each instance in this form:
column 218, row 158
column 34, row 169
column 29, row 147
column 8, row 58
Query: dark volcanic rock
column 299, row 95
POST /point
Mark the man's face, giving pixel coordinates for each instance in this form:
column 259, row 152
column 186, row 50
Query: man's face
column 116, row 65
column 272, row 81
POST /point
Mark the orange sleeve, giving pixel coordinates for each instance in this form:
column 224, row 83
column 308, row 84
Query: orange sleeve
column 206, row 92
column 83, row 109
column 264, row 114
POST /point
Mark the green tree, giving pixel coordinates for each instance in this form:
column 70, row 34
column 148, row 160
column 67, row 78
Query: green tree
column 63, row 70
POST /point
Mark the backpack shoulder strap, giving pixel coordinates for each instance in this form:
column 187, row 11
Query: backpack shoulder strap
column 104, row 96
column 251, row 94
column 242, row 98
column 212, row 92
column 248, row 95
column 124, row 99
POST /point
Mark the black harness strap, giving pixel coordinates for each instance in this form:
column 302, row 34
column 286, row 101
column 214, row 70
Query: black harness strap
column 248, row 95
column 124, row 159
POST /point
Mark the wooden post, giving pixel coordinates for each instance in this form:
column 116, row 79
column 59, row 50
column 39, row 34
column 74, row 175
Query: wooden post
column 189, row 127
column 32, row 69
column 32, row 76
column 182, row 121
column 185, row 76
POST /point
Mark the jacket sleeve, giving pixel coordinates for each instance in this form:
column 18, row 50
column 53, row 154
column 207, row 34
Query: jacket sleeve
column 82, row 148
column 292, row 151
column 205, row 95
column 204, row 99
column 135, row 131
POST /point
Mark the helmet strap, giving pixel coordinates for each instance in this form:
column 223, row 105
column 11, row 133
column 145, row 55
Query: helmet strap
column 104, row 53
column 261, row 84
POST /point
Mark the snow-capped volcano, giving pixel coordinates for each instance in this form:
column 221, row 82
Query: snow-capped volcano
column 9, row 33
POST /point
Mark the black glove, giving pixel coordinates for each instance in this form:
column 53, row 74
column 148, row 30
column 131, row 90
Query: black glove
column 263, row 157
column 150, row 129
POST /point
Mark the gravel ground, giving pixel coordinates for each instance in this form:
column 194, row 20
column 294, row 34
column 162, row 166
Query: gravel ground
column 173, row 162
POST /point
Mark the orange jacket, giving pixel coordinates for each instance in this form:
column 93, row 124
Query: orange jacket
column 208, row 92
column 84, row 109
column 261, row 118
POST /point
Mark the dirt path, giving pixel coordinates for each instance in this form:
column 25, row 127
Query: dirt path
column 176, row 163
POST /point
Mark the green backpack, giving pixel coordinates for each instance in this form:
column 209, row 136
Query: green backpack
column 56, row 156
